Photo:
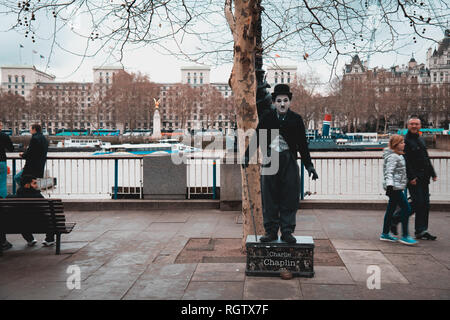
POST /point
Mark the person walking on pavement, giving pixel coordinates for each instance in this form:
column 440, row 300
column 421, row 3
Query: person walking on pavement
column 5, row 145
column 394, row 182
column 280, row 179
column 419, row 172
column 35, row 156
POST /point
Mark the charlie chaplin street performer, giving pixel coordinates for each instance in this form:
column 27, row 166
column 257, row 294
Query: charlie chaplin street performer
column 280, row 188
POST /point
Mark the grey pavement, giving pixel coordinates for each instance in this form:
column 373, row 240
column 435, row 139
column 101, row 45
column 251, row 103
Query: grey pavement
column 133, row 255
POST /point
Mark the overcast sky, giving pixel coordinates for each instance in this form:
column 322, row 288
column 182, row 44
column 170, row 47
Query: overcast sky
column 160, row 68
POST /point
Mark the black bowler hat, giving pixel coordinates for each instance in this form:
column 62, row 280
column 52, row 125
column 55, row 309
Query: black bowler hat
column 281, row 89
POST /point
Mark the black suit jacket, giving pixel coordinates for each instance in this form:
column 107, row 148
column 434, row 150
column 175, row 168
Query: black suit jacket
column 36, row 155
column 291, row 129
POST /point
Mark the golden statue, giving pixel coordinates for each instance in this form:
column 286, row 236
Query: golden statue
column 157, row 103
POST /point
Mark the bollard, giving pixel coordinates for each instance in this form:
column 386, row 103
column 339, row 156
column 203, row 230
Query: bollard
column 214, row 180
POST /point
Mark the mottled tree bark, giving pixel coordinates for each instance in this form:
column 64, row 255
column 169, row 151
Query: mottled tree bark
column 243, row 23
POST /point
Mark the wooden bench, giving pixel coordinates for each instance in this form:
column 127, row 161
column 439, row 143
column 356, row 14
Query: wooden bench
column 20, row 215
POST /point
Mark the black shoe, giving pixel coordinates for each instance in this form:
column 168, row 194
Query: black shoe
column 394, row 229
column 6, row 245
column 269, row 237
column 426, row 236
column 289, row 238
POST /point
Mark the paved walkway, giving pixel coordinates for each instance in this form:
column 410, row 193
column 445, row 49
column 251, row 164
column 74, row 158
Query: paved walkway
column 133, row 255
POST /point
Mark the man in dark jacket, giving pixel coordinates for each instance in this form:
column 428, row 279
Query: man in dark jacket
column 5, row 145
column 284, row 134
column 419, row 171
column 28, row 189
column 35, row 155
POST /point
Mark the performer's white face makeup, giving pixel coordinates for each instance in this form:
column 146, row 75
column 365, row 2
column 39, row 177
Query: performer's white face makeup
column 282, row 103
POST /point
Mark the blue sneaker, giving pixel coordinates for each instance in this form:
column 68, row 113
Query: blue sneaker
column 408, row 241
column 388, row 237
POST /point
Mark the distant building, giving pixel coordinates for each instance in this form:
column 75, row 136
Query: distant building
column 280, row 74
column 423, row 78
column 438, row 61
column 21, row 79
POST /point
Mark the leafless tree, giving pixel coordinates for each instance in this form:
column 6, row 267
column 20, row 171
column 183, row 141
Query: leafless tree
column 11, row 107
column 181, row 101
column 130, row 97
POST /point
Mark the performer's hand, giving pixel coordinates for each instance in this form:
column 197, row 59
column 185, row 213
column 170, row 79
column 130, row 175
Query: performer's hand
column 435, row 179
column 413, row 182
column 312, row 171
column 21, row 154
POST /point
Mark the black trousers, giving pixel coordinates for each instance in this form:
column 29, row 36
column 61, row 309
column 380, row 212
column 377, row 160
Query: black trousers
column 29, row 237
column 280, row 193
column 420, row 195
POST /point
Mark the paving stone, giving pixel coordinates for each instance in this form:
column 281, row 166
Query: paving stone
column 422, row 270
column 219, row 272
column 329, row 275
column 397, row 247
column 390, row 291
column 262, row 288
column 199, row 290
column 388, row 273
column 172, row 271
column 77, row 235
column 330, row 292
column 344, row 244
column 26, row 289
column 157, row 289
column 362, row 257
column 307, row 222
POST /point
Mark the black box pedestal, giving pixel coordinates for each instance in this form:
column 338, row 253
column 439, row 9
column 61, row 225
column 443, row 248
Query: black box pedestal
column 267, row 258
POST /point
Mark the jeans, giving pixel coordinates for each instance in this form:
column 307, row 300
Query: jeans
column 18, row 177
column 397, row 198
column 420, row 196
column 3, row 175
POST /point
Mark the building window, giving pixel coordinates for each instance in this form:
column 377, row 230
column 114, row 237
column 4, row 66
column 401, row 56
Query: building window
column 17, row 78
column 23, row 79
column 276, row 80
column 9, row 79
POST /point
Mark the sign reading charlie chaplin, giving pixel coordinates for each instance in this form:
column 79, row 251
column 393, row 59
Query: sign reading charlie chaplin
column 269, row 259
